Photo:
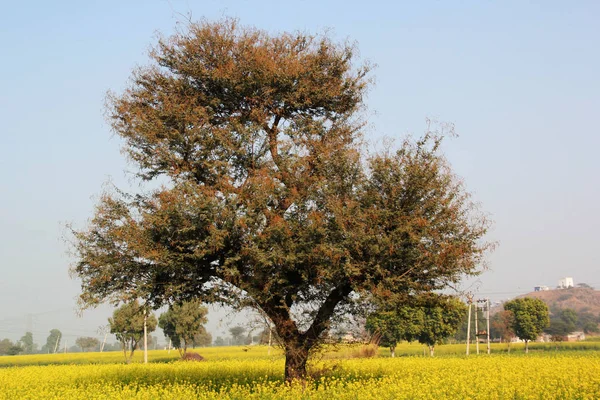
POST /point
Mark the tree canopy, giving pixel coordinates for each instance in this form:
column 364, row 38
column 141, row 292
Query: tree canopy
column 529, row 318
column 127, row 324
column 182, row 323
column 269, row 198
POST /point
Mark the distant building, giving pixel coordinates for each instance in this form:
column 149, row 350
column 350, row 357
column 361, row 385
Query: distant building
column 540, row 288
column 566, row 282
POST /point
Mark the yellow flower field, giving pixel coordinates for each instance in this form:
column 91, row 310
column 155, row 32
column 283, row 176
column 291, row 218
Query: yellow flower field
column 252, row 375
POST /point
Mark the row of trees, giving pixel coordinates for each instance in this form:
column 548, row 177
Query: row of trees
column 26, row 345
column 182, row 324
column 428, row 320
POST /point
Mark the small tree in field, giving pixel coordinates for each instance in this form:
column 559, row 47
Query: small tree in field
column 393, row 326
column 271, row 201
column 529, row 318
column 183, row 322
column 127, row 324
column 441, row 318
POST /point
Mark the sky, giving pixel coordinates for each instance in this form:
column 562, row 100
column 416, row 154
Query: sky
column 519, row 79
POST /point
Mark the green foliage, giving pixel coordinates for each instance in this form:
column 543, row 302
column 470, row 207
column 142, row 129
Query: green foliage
column 27, row 344
column 393, row 326
column 530, row 318
column 7, row 347
column 53, row 341
column 87, row 343
column 127, row 324
column 271, row 202
column 183, row 323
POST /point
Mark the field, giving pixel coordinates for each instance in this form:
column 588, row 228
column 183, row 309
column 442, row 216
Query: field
column 571, row 372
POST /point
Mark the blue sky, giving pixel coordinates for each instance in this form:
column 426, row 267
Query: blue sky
column 519, row 79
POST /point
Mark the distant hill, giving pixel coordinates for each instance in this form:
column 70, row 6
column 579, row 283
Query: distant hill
column 579, row 299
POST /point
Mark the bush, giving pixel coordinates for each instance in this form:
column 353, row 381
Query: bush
column 191, row 356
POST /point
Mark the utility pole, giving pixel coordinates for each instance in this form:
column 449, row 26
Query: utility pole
column 487, row 302
column 470, row 300
column 145, row 336
column 56, row 345
column 476, row 329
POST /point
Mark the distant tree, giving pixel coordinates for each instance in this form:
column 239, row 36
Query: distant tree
column 584, row 285
column 562, row 322
column 236, row 334
column 27, row 344
column 441, row 318
column 393, row 326
column 219, row 341
column 7, row 347
column 530, row 318
column 182, row 322
column 87, row 343
column 203, row 338
column 501, row 327
column 127, row 324
column 53, row 341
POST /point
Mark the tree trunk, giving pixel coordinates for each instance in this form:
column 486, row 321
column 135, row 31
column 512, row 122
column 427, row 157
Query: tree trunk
column 431, row 350
column 393, row 351
column 295, row 363
column 527, row 347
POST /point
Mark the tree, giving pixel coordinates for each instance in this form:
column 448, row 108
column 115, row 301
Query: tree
column 7, row 347
column 203, row 338
column 271, row 200
column 236, row 334
column 219, row 341
column 501, row 327
column 87, row 343
column 562, row 322
column 53, row 341
column 441, row 318
column 127, row 324
column 530, row 317
column 393, row 326
column 182, row 322
column 27, row 344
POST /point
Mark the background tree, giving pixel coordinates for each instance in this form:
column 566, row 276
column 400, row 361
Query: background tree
column 530, row 318
column 501, row 327
column 7, row 347
column 203, row 338
column 87, row 343
column 237, row 333
column 182, row 322
column 441, row 319
column 219, row 341
column 393, row 326
column 562, row 322
column 127, row 324
column 271, row 201
column 53, row 341
column 27, row 344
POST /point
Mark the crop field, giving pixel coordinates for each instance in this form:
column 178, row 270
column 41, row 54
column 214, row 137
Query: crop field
column 571, row 372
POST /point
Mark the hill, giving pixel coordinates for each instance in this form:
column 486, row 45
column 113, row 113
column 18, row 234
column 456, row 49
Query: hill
column 579, row 299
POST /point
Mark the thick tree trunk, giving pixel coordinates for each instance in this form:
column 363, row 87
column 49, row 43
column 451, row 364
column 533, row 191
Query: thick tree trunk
column 393, row 351
column 431, row 350
column 295, row 363
column 527, row 347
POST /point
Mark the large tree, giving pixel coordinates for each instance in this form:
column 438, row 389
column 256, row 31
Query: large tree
column 127, row 324
column 87, row 343
column 183, row 322
column 530, row 317
column 269, row 199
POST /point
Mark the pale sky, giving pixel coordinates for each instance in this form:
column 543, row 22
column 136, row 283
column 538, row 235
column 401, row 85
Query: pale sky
column 519, row 79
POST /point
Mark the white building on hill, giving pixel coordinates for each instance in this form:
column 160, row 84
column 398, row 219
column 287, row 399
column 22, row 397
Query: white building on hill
column 566, row 282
